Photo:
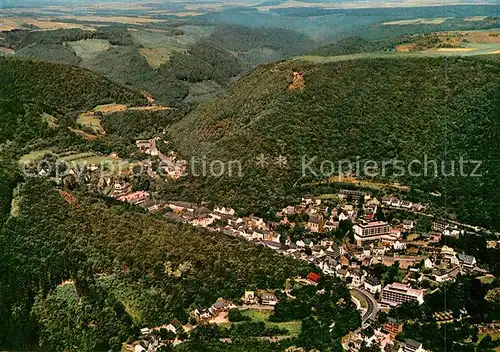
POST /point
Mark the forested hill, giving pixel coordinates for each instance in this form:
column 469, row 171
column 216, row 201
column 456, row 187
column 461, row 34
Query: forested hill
column 174, row 64
column 60, row 87
column 379, row 109
column 29, row 88
column 350, row 45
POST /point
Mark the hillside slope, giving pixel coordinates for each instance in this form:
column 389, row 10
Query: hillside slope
column 128, row 269
column 375, row 109
column 29, row 88
column 167, row 63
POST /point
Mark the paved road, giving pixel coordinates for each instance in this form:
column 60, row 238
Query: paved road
column 372, row 310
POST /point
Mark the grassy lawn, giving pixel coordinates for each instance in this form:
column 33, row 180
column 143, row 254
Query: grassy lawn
column 495, row 336
column 487, row 279
column 437, row 20
column 360, row 299
column 86, row 159
column 35, row 155
column 89, row 48
column 91, row 121
column 293, row 327
column 15, row 208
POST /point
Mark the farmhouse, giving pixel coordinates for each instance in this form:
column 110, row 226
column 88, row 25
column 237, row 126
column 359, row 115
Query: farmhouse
column 269, row 299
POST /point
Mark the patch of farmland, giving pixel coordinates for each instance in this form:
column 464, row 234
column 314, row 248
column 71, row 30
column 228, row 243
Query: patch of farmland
column 456, row 50
column 110, row 163
column 438, row 20
column 110, row 108
column 46, row 23
column 156, row 56
column 35, row 155
column 89, row 48
column 91, row 121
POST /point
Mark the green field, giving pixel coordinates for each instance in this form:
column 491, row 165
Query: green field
column 438, row 20
column 495, row 336
column 89, row 48
column 360, row 299
column 487, row 279
column 293, row 327
column 90, row 121
column 35, row 155
column 480, row 49
column 115, row 165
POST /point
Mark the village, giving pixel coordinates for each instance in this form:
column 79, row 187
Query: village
column 423, row 264
column 345, row 235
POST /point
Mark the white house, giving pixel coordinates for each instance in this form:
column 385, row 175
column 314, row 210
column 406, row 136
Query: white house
column 224, row 210
column 399, row 246
column 467, row 261
column 428, row 263
column 372, row 284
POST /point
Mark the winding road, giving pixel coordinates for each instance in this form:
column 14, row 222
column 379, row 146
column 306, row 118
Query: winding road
column 371, row 303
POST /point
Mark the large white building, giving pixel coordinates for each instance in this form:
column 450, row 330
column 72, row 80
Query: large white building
column 372, row 231
column 396, row 293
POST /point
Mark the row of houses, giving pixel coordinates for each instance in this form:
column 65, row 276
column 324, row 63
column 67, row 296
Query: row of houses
column 249, row 298
column 395, row 202
column 381, row 338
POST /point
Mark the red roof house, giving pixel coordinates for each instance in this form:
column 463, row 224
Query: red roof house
column 313, row 277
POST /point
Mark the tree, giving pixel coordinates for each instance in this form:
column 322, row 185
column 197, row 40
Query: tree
column 379, row 215
column 166, row 334
column 235, row 315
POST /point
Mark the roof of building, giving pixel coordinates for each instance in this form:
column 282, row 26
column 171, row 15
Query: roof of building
column 148, row 203
column 269, row 296
column 394, row 321
column 183, row 204
column 313, row 277
column 403, row 288
column 314, row 220
column 412, row 343
column 373, row 224
column 220, row 304
column 372, row 280
column 467, row 259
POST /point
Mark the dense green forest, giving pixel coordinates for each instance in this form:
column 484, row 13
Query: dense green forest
column 243, row 39
column 350, row 45
column 375, row 109
column 19, row 39
column 203, row 61
column 129, row 269
column 132, row 125
column 29, row 89
column 216, row 58
column 125, row 65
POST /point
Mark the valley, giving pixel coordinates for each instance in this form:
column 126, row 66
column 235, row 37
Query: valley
column 297, row 176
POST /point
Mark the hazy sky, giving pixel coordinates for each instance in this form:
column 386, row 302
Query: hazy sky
column 34, row 3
